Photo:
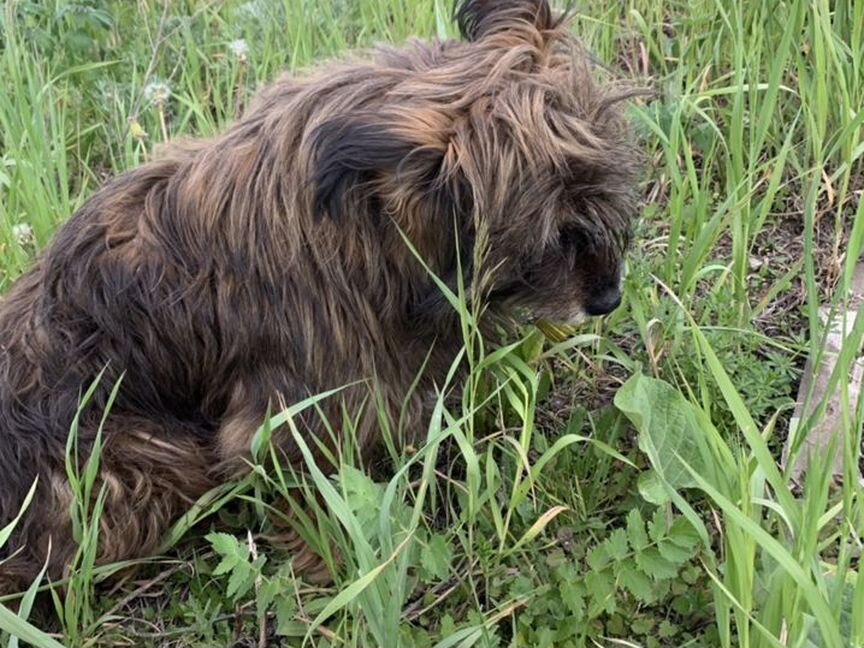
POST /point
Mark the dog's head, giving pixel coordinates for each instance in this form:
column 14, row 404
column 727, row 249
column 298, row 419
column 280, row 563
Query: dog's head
column 503, row 140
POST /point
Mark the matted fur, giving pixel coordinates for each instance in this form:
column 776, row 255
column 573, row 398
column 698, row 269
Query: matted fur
column 269, row 263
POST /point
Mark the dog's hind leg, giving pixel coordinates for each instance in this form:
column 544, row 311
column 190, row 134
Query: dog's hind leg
column 246, row 413
column 150, row 477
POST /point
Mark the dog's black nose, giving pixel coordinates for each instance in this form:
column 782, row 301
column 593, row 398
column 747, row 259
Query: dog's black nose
column 603, row 301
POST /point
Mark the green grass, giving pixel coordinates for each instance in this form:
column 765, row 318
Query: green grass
column 537, row 512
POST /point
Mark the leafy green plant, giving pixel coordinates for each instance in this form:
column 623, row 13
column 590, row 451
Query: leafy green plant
column 245, row 570
column 520, row 516
column 638, row 579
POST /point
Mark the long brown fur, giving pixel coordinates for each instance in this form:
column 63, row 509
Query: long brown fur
column 268, row 264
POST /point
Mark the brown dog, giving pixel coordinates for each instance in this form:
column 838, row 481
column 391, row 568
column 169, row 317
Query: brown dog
column 269, row 263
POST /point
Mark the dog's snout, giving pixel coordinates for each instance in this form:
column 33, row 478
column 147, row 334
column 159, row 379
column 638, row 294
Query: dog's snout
column 603, row 302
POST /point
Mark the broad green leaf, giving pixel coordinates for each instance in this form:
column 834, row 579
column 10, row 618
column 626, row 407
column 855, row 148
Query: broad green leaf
column 666, row 425
column 573, row 596
column 362, row 495
column 642, row 625
column 616, row 545
column 673, row 553
column 683, row 534
column 657, row 525
column 652, row 563
column 286, row 607
column 636, row 530
column 637, row 583
column 651, row 488
column 601, row 588
column 437, row 557
column 225, row 565
column 241, row 579
column 598, row 557
column 267, row 594
column 230, row 549
column 667, row 630
column 224, row 544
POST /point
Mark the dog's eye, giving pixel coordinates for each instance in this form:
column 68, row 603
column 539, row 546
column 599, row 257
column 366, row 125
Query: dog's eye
column 572, row 238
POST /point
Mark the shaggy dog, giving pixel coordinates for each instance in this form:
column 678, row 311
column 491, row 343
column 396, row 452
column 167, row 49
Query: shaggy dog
column 270, row 263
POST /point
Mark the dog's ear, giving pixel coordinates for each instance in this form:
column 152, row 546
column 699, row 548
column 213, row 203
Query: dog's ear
column 479, row 18
column 352, row 153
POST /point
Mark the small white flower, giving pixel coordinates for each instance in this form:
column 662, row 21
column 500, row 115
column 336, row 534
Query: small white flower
column 157, row 92
column 239, row 48
column 23, row 233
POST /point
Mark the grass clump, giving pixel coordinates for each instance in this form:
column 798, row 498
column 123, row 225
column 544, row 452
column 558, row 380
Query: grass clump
column 541, row 509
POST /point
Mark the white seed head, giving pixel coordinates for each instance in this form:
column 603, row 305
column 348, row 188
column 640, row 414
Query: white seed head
column 158, row 92
column 23, row 234
column 239, row 48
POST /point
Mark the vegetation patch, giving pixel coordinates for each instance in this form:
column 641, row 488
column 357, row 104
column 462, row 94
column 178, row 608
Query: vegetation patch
column 617, row 487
